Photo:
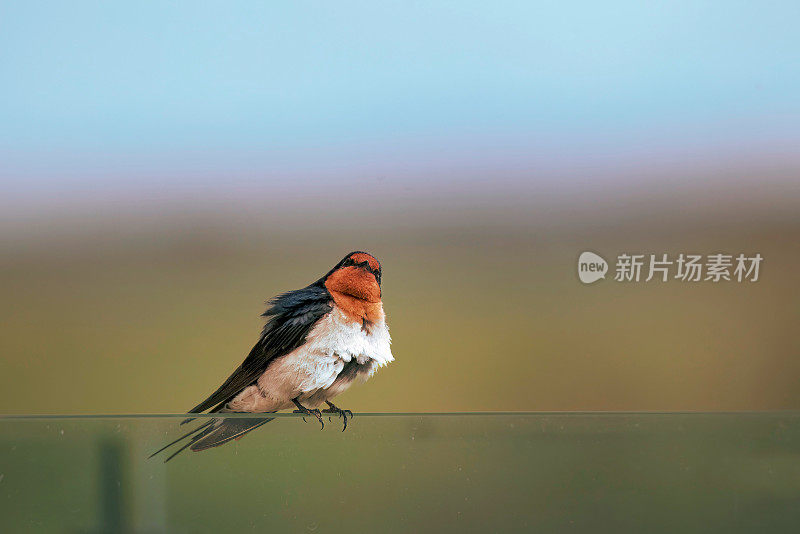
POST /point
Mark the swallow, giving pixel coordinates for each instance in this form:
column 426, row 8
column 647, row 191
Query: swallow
column 316, row 343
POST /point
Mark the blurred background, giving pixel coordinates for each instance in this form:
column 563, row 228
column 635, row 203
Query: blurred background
column 167, row 168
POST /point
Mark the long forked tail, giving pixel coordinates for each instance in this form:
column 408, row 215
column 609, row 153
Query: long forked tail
column 215, row 432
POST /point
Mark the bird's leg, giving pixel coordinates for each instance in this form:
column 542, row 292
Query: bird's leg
column 335, row 409
column 305, row 411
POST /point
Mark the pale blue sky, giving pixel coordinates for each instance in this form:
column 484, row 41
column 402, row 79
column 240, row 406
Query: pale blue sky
column 111, row 90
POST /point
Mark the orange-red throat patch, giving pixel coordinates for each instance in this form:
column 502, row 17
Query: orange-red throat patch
column 356, row 292
column 356, row 282
column 359, row 311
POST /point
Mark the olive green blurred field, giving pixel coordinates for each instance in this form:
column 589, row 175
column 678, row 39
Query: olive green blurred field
column 113, row 313
column 414, row 473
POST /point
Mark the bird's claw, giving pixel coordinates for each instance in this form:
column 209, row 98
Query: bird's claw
column 316, row 413
column 344, row 414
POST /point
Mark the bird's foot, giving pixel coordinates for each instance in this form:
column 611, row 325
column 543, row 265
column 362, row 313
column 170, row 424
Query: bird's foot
column 305, row 411
column 344, row 414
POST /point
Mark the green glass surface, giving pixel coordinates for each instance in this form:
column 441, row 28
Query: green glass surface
column 494, row 472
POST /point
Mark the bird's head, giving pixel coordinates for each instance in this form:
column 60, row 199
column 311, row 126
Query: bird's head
column 358, row 275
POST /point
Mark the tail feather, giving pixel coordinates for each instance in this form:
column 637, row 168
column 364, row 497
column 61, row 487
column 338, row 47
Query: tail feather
column 215, row 432
column 215, row 409
column 227, row 430
column 171, row 443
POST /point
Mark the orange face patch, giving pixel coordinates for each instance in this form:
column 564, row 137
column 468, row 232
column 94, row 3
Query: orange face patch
column 360, row 257
column 354, row 282
column 356, row 292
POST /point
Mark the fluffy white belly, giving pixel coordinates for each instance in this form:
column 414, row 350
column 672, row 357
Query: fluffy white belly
column 310, row 372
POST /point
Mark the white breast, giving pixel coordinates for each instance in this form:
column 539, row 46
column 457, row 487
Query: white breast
column 331, row 343
column 337, row 335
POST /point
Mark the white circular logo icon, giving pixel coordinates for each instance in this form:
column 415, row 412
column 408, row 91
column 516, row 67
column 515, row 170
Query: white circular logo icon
column 591, row 267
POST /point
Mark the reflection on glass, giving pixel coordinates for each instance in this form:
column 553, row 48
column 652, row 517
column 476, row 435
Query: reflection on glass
column 405, row 473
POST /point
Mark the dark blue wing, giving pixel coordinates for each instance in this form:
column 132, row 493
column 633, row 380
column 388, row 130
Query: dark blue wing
column 291, row 316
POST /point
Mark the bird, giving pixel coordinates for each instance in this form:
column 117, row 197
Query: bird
column 317, row 341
